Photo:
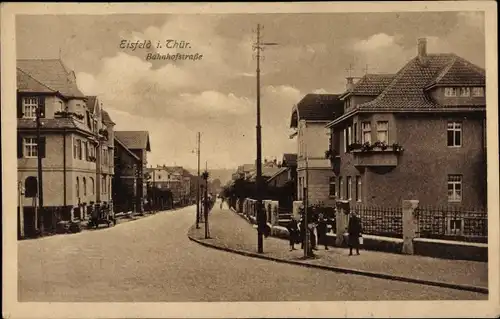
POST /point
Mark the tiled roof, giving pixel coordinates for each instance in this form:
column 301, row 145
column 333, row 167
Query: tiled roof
column 278, row 173
column 289, row 159
column 407, row 90
column 127, row 149
column 91, row 103
column 52, row 74
column 461, row 72
column 25, row 83
column 317, row 107
column 134, row 139
column 371, row 84
column 106, row 118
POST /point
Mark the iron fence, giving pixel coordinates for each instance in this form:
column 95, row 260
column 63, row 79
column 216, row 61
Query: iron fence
column 452, row 223
column 381, row 221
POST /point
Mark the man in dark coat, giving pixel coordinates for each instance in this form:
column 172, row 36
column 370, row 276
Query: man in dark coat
column 293, row 232
column 354, row 229
column 322, row 229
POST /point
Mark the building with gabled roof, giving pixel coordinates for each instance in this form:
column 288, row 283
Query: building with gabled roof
column 138, row 143
column 308, row 119
column 421, row 137
column 77, row 164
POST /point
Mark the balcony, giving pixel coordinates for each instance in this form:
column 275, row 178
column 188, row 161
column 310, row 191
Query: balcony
column 376, row 155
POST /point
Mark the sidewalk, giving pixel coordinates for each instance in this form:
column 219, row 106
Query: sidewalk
column 232, row 232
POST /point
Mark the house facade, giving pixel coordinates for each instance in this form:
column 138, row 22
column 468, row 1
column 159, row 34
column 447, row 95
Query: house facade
column 138, row 143
column 418, row 134
column 308, row 119
column 174, row 178
column 70, row 140
column 126, row 188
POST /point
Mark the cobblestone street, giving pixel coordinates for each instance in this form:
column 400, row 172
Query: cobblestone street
column 152, row 259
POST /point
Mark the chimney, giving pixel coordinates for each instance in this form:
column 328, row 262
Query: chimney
column 350, row 83
column 422, row 50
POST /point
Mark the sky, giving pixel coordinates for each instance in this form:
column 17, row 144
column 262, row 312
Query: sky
column 216, row 95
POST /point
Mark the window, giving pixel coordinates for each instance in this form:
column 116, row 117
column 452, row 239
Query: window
column 79, row 143
column 92, row 186
column 77, row 188
column 75, row 148
column 30, row 104
column 60, row 106
column 358, row 188
column 349, row 135
column 348, row 188
column 383, row 131
column 465, row 92
column 30, row 147
column 341, row 188
column 84, row 187
column 355, row 133
column 454, row 134
column 344, row 134
column 103, row 184
column 454, row 188
column 333, row 188
column 479, row 91
column 366, row 132
column 450, row 92
column 85, row 151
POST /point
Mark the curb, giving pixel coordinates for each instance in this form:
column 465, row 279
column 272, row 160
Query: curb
column 346, row 270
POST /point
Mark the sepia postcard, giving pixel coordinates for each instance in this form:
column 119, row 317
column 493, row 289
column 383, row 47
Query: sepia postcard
column 250, row 160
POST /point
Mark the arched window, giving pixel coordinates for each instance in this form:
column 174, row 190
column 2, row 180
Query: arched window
column 92, row 186
column 84, row 187
column 77, row 188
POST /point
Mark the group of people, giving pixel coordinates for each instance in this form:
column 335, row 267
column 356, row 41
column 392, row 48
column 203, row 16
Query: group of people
column 318, row 226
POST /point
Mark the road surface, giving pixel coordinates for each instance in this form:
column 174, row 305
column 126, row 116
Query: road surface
column 152, row 259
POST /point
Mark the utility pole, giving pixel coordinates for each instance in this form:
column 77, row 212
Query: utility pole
column 261, row 223
column 39, row 148
column 307, row 244
column 198, row 186
column 153, row 190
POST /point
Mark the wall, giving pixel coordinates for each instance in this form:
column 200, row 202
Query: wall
column 124, row 188
column 319, row 185
column 425, row 163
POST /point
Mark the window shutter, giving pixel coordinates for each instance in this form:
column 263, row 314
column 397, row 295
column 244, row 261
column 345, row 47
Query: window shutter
column 19, row 146
column 20, row 113
column 41, row 105
column 41, row 147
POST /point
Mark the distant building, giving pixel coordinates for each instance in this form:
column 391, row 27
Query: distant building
column 418, row 134
column 176, row 179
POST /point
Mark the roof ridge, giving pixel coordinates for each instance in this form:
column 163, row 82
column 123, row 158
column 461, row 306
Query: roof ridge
column 38, row 81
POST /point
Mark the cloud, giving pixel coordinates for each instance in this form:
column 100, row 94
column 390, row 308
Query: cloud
column 375, row 42
column 472, row 18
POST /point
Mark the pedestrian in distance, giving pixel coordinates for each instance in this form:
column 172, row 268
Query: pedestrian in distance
column 354, row 229
column 293, row 232
column 322, row 229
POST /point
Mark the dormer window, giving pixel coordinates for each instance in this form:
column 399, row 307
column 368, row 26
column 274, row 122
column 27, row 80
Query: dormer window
column 450, row 92
column 465, row 92
column 478, row 91
column 60, row 106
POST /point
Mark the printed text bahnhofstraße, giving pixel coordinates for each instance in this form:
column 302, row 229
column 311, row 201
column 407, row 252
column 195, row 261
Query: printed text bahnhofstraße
column 174, row 57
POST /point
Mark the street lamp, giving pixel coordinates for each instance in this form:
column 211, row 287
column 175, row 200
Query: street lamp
column 261, row 222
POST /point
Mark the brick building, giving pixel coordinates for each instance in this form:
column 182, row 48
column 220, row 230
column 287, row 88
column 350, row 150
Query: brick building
column 309, row 118
column 417, row 134
column 74, row 136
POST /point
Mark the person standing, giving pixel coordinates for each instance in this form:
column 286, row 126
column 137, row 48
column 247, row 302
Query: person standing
column 354, row 229
column 293, row 232
column 322, row 229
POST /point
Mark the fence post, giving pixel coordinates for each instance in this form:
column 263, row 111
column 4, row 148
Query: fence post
column 341, row 221
column 275, row 212
column 410, row 224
